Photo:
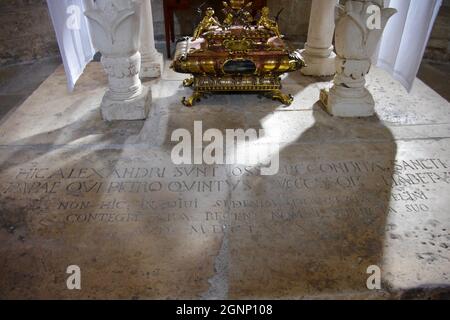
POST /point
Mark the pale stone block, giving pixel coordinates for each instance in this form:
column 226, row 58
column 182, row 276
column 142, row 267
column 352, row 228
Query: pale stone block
column 319, row 66
column 134, row 109
column 340, row 106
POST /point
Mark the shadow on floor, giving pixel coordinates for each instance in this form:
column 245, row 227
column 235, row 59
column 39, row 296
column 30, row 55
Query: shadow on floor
column 325, row 244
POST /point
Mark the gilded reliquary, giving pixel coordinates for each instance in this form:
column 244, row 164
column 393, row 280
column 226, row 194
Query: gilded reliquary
column 241, row 54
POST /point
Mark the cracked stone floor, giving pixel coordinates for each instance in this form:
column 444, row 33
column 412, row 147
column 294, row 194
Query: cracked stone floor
column 349, row 194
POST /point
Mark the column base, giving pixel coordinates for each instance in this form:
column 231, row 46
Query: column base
column 319, row 66
column 347, row 106
column 151, row 67
column 134, row 109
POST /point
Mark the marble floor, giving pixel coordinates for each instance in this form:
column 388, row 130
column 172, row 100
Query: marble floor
column 350, row 195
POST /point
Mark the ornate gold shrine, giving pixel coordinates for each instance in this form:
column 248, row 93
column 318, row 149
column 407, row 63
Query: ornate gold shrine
column 240, row 54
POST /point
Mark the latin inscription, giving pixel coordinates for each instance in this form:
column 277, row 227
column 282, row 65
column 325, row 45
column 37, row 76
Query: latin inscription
column 218, row 199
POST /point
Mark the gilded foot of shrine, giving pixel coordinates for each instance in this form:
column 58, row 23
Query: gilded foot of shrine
column 285, row 99
column 195, row 97
column 188, row 82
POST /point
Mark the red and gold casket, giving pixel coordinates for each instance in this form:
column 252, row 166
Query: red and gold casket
column 241, row 54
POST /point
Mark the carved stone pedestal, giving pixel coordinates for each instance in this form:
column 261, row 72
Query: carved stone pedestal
column 344, row 103
column 115, row 29
column 132, row 109
column 349, row 97
column 356, row 41
column 126, row 98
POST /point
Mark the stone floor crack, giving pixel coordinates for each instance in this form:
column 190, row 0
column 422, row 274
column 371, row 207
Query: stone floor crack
column 219, row 283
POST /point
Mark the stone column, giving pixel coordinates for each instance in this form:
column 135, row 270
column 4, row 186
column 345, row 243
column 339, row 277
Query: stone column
column 357, row 36
column 318, row 52
column 152, row 60
column 115, row 31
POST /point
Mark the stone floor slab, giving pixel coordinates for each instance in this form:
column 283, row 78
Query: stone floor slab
column 350, row 194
